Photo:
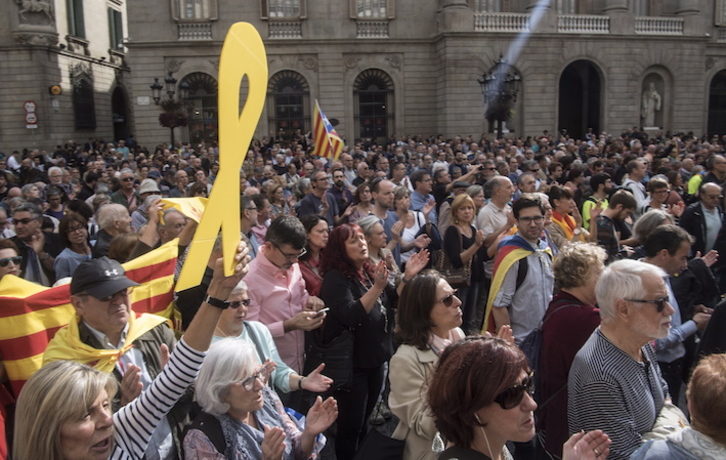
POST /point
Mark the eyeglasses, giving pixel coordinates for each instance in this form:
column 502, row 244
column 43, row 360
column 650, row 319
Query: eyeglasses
column 245, row 302
column 512, row 396
column 290, row 257
column 76, row 229
column 251, row 209
column 449, row 299
column 529, row 220
column 15, row 260
column 25, row 221
column 127, row 179
column 659, row 303
column 262, row 374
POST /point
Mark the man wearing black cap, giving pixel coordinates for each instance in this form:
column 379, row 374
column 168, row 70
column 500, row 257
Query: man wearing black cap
column 107, row 335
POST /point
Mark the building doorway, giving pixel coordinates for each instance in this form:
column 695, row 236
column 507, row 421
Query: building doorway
column 580, row 99
column 717, row 105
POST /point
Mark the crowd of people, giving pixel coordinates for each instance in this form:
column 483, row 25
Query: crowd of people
column 406, row 277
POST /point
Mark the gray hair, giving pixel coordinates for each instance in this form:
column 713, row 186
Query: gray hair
column 228, row 361
column 241, row 287
column 622, row 280
column 648, row 222
column 366, row 223
column 110, row 213
column 54, row 169
column 150, row 200
column 126, row 171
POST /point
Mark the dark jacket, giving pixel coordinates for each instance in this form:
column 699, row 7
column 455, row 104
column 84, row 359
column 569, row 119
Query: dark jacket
column 148, row 344
column 694, row 223
column 52, row 246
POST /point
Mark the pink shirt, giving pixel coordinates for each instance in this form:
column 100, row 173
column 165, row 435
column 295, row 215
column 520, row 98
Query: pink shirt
column 276, row 296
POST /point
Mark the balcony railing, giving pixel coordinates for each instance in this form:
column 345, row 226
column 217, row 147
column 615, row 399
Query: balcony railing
column 721, row 37
column 501, row 22
column 285, row 29
column 583, row 24
column 372, row 29
column 658, row 26
column 195, row 30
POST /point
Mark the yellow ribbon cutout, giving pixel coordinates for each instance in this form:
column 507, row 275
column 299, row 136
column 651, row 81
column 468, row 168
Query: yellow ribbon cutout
column 243, row 55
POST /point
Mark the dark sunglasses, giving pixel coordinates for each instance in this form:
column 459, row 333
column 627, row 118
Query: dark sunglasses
column 245, row 302
column 512, row 396
column 25, row 221
column 449, row 299
column 127, row 179
column 15, row 260
column 659, row 303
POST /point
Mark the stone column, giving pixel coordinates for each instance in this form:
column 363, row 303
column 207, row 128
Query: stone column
column 454, row 16
column 542, row 16
column 693, row 22
column 622, row 21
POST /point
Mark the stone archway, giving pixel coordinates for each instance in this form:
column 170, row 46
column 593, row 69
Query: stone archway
column 580, row 101
column 120, row 114
column 717, row 104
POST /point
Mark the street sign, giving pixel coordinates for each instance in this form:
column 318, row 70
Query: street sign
column 31, row 118
column 30, row 106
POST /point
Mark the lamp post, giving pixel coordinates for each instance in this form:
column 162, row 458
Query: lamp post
column 499, row 88
column 174, row 113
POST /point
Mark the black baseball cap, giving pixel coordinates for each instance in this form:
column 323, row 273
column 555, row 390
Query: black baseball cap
column 100, row 277
column 460, row 184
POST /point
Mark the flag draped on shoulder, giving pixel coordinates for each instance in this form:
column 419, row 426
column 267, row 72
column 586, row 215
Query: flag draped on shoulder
column 327, row 142
column 31, row 314
column 511, row 249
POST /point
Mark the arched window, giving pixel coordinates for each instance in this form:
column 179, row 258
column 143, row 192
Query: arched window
column 288, row 102
column 373, row 99
column 201, row 101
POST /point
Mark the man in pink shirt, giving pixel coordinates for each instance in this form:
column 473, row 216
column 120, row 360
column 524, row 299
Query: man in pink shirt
column 277, row 290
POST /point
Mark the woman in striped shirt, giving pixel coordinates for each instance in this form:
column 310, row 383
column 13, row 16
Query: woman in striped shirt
column 64, row 410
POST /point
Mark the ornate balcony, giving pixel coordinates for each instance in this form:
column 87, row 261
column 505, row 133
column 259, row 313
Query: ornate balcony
column 371, row 29
column 285, row 29
column 583, row 24
column 645, row 25
column 195, row 30
column 501, row 22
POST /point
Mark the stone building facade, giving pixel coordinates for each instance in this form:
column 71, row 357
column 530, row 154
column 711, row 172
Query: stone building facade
column 65, row 57
column 381, row 68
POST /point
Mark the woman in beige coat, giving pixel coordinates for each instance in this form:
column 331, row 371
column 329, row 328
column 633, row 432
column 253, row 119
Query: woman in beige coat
column 429, row 316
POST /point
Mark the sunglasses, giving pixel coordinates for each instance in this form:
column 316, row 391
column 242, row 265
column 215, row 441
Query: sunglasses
column 128, row 179
column 659, row 303
column 15, row 260
column 511, row 397
column 25, row 221
column 449, row 299
column 263, row 374
column 238, row 304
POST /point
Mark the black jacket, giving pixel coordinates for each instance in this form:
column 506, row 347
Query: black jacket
column 694, row 223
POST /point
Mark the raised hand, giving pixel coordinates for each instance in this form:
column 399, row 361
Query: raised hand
column 591, row 446
column 321, row 415
column 317, row 382
column 273, row 444
column 131, row 385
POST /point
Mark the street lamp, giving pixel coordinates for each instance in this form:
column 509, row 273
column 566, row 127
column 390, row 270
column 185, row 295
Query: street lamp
column 499, row 87
column 174, row 113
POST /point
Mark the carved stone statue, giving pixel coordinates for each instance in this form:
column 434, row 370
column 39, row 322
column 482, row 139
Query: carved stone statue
column 31, row 8
column 649, row 105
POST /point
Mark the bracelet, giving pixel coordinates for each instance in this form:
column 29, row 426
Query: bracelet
column 299, row 383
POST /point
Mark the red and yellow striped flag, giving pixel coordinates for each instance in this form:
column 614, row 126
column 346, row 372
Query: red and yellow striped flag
column 31, row 314
column 327, row 142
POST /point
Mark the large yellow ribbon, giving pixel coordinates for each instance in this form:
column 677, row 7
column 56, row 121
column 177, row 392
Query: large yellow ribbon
column 243, row 55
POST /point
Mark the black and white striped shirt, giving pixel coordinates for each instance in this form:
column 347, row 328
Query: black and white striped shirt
column 135, row 423
column 610, row 391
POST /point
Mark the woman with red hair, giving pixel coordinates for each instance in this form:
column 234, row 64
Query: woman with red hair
column 360, row 300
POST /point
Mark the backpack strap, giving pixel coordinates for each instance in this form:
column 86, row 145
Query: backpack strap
column 521, row 272
column 210, row 426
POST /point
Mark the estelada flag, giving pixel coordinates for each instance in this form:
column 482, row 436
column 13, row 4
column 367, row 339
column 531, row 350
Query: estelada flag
column 31, row 314
column 327, row 142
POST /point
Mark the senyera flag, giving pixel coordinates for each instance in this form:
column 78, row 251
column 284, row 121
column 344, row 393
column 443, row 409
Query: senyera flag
column 31, row 314
column 327, row 142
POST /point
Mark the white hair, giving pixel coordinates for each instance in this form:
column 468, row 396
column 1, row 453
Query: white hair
column 228, row 361
column 622, row 280
column 241, row 287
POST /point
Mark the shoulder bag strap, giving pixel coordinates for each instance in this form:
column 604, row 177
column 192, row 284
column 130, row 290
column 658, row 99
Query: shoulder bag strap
column 256, row 341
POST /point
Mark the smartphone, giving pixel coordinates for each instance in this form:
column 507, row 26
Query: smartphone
column 321, row 312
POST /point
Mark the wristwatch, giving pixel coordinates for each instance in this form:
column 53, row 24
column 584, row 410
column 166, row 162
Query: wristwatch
column 223, row 304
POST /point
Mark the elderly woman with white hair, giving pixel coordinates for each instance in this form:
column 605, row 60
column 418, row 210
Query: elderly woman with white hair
column 243, row 418
column 232, row 324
